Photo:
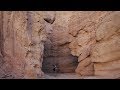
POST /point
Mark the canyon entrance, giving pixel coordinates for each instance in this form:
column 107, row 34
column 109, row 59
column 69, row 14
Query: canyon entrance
column 69, row 44
column 57, row 54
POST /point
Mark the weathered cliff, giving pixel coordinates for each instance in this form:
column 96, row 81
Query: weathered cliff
column 95, row 40
column 85, row 42
column 106, row 53
column 22, row 44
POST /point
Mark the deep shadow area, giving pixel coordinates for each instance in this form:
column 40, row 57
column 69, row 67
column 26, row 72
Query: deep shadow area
column 64, row 64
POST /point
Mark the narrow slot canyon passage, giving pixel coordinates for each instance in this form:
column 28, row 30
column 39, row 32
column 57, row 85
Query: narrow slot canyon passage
column 58, row 61
column 55, row 61
column 59, row 45
column 57, row 55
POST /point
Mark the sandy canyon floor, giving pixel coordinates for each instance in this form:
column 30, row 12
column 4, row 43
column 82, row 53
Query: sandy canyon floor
column 71, row 76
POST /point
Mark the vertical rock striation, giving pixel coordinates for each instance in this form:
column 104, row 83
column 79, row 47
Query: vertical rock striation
column 23, row 44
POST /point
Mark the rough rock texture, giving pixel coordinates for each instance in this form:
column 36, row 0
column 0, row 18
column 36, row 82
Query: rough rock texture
column 82, row 27
column 57, row 51
column 106, row 53
column 85, row 67
column 23, row 44
column 85, row 42
column 95, row 40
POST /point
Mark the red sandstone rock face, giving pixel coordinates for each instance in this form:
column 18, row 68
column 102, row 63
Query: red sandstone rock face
column 82, row 27
column 85, row 29
column 88, row 27
column 106, row 53
column 23, row 45
column 85, row 67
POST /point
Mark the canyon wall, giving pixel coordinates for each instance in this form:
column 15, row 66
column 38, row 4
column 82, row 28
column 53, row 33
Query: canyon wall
column 95, row 40
column 86, row 35
column 106, row 53
column 85, row 42
column 22, row 39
